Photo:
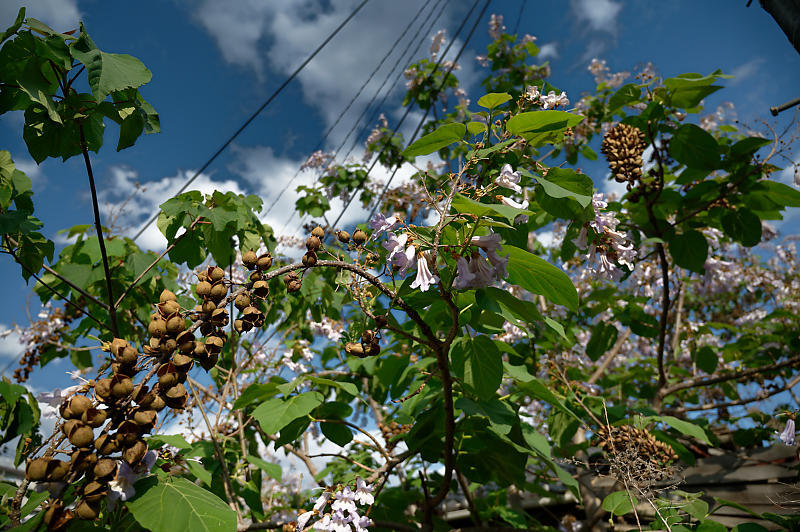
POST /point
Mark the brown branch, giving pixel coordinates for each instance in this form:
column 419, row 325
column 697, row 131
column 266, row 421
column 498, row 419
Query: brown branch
column 711, row 406
column 609, row 358
column 112, row 312
column 462, row 481
column 291, row 449
column 695, row 383
column 662, row 330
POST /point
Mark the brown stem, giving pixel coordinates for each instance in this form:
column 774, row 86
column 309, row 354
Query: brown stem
column 462, row 481
column 609, row 358
column 112, row 312
column 662, row 331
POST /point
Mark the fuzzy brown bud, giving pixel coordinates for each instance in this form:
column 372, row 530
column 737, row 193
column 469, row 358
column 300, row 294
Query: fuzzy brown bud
column 343, row 236
column 359, row 237
column 249, row 259
column 318, row 232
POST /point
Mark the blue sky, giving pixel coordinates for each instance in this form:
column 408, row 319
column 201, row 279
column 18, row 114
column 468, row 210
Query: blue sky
column 214, row 63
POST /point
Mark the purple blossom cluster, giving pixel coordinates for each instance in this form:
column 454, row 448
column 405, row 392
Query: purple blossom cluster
column 479, row 271
column 609, row 248
column 547, row 101
column 344, row 513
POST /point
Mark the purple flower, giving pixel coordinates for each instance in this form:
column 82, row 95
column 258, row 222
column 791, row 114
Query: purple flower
column 424, row 278
column 395, row 244
column 404, row 260
column 345, row 501
column 322, row 501
column 787, row 436
column 499, row 264
column 464, row 278
column 511, row 203
column 302, row 520
column 484, row 272
column 490, row 242
column 362, row 524
column 364, row 492
column 508, row 178
column 380, row 223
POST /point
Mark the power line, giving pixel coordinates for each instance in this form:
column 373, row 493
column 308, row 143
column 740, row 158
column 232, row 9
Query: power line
column 416, row 131
column 408, row 109
column 405, row 57
column 519, row 16
column 352, row 100
column 258, row 111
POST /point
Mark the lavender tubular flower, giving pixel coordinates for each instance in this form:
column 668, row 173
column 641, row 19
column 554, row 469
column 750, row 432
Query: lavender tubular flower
column 788, row 434
column 424, row 278
column 508, row 178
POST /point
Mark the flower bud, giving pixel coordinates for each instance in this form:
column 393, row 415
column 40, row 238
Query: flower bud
column 359, row 237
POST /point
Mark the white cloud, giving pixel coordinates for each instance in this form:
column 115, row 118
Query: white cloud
column 10, row 348
column 29, row 167
column 61, row 15
column 131, row 204
column 746, row 70
column 600, row 15
column 548, row 51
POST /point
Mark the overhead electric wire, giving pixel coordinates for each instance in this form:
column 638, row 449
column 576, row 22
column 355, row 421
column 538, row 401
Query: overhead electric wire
column 519, row 16
column 419, row 126
column 411, row 105
column 327, row 133
column 258, row 111
column 404, row 58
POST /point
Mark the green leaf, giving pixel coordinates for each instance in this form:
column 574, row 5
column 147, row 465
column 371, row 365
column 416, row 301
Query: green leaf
column 255, row 392
column 541, row 121
column 782, row 194
column 694, row 147
column 443, row 136
column 478, row 363
column 173, row 503
column 743, row 226
column 684, row 427
column 687, row 90
column 109, row 72
column 540, row 277
column 500, row 414
column 536, row 388
column 11, row 392
column 14, row 27
column 626, row 94
column 706, row 359
column 567, row 183
column 619, row 502
column 475, row 128
column 689, row 250
column 603, row 337
column 493, row 99
column 744, row 149
column 276, row 413
column 339, row 434
column 175, row 440
column 272, row 470
column 130, row 130
column 557, row 327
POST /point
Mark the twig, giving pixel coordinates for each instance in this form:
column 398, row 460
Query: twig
column 609, row 358
column 112, row 312
column 462, row 481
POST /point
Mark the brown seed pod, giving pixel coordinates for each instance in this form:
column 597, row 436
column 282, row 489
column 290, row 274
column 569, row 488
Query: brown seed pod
column 249, row 259
column 128, row 433
column 56, row 517
column 260, row 289
column 168, row 308
column 117, row 345
column 219, row 318
column 68, row 426
column 102, row 389
column 318, row 232
column 215, row 274
column 242, row 326
column 57, row 471
column 134, row 454
column 121, row 386
column 359, row 237
column 256, row 276
column 203, row 289
column 264, row 262
column 94, row 491
column 183, row 363
column 313, row 243
column 168, row 346
column 343, row 236
column 199, row 350
column 157, row 327
column 158, row 403
column 65, row 412
column 218, row 291
column 207, row 329
column 254, row 316
column 176, row 325
column 242, row 301
column 309, row 259
column 80, row 434
column 209, row 362
column 145, row 418
column 106, row 444
column 367, row 336
column 209, row 306
column 105, row 468
column 167, row 295
column 82, row 460
column 214, row 345
column 185, row 341
column 127, row 355
column 36, row 469
column 167, row 375
column 88, row 511
column 176, row 397
column 94, row 417
column 294, row 286
column 124, row 369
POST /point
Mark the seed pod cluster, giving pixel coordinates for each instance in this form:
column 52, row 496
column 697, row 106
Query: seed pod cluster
column 391, row 431
column 367, row 347
column 623, row 146
column 626, row 438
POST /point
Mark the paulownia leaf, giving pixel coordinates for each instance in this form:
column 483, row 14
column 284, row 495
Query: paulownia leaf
column 443, row 136
column 540, row 277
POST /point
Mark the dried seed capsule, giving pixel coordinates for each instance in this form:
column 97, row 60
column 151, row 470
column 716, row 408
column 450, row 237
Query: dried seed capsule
column 215, row 274
column 209, row 306
column 145, row 418
column 249, row 259
column 127, row 355
column 94, row 417
column 82, row 460
column 121, row 386
column 167, row 375
column 260, row 289
column 294, row 286
column 182, row 362
column 134, row 454
column 218, row 292
column 313, row 243
column 176, row 325
column 80, row 435
column 318, row 232
column 359, row 237
column 343, row 236
column 57, row 471
column 309, row 259
column 106, row 444
column 157, row 327
column 176, row 396
column 242, row 301
column 185, row 341
column 56, row 517
column 256, row 276
column 102, row 389
column 94, row 491
column 128, row 433
column 264, row 262
column 167, row 295
column 214, row 345
column 219, row 317
column 36, row 469
column 203, row 289
column 168, row 308
column 210, row 362
column 105, row 468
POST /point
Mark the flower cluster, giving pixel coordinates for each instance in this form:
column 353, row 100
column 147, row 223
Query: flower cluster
column 547, row 101
column 509, row 179
column 496, row 27
column 437, row 41
column 318, row 159
column 609, row 248
column 344, row 516
column 602, row 74
column 328, row 328
column 479, row 272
